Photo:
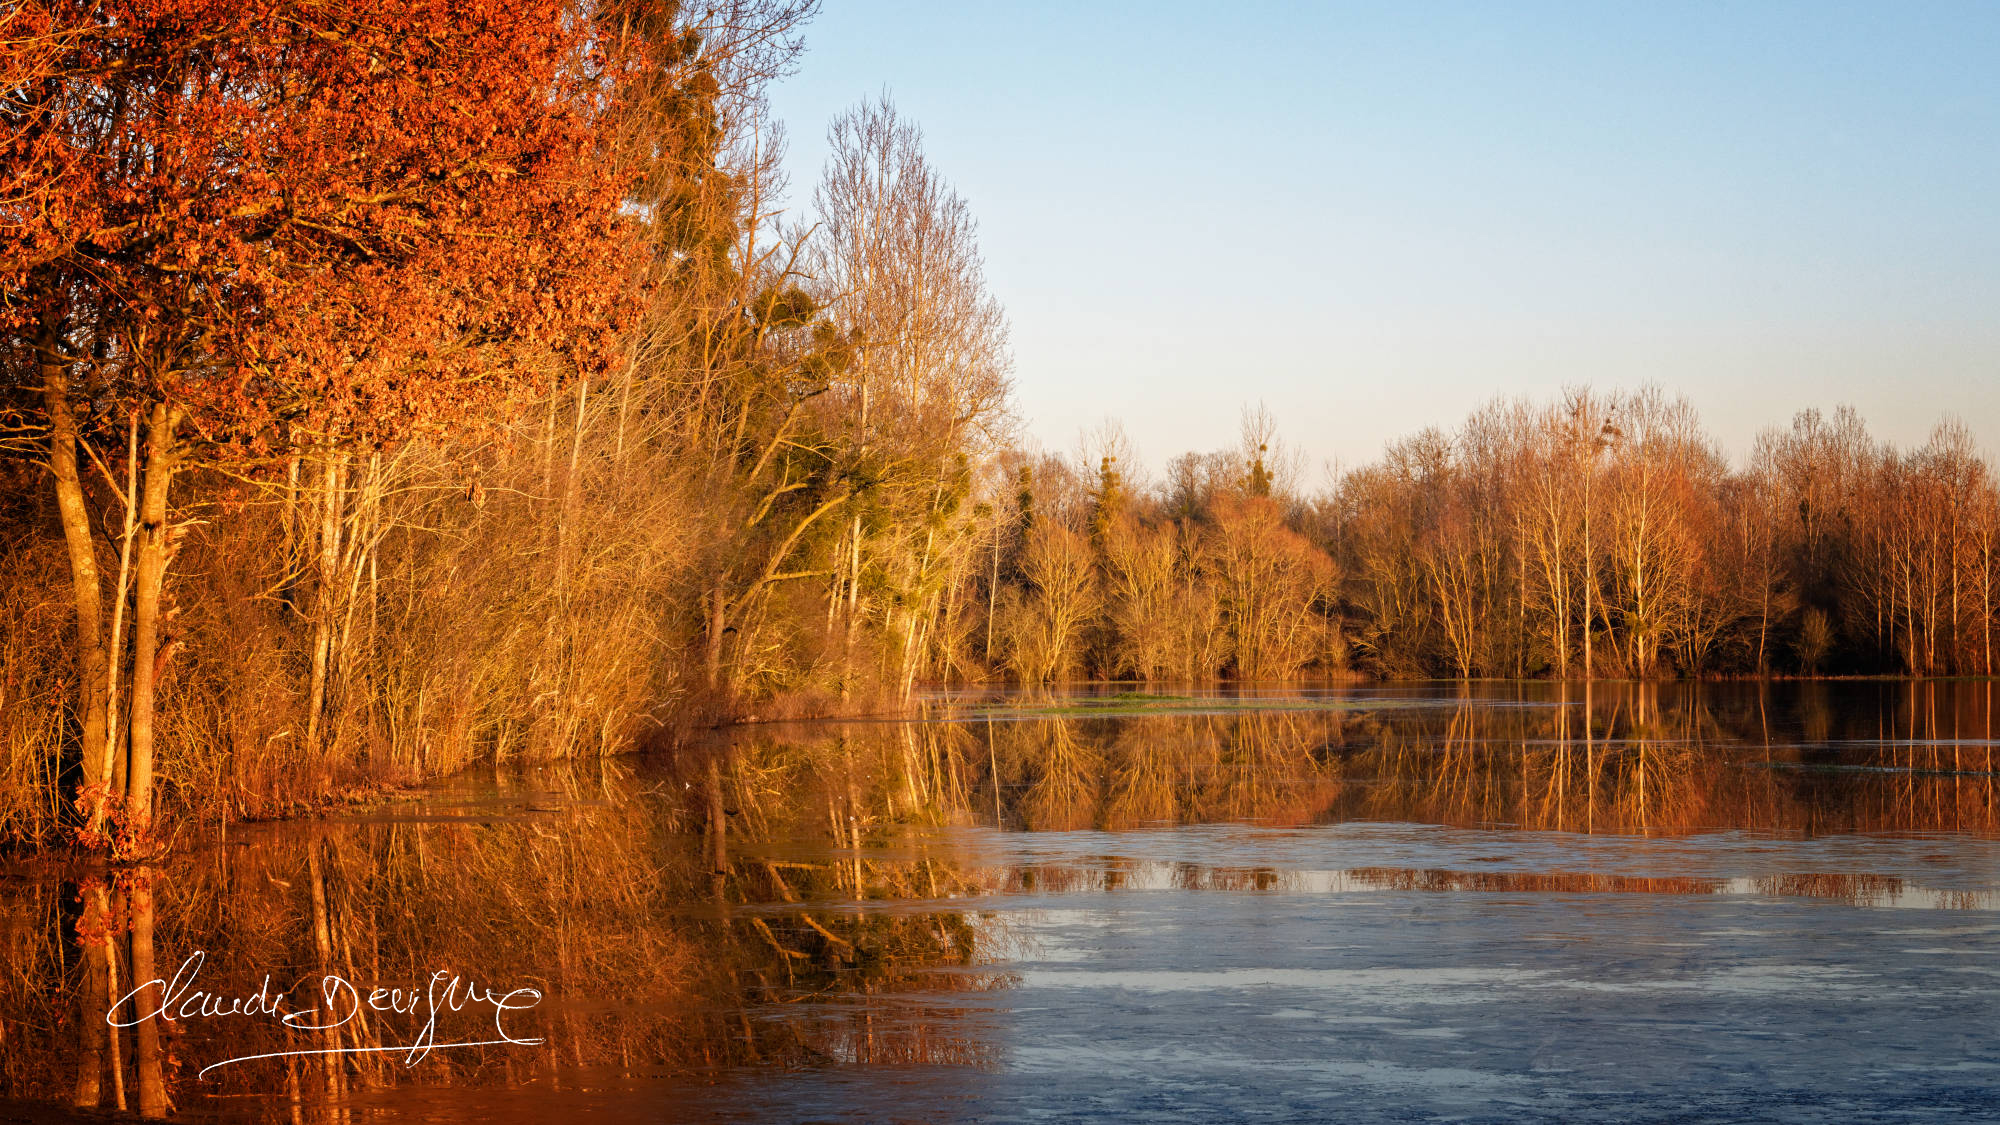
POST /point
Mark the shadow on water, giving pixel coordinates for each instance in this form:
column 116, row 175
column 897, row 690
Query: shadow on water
column 847, row 897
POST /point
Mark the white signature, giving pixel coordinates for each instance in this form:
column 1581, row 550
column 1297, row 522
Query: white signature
column 341, row 1001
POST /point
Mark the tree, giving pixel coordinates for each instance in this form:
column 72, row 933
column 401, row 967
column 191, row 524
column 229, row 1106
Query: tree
column 278, row 226
column 1660, row 487
column 1270, row 582
column 1062, row 598
column 895, row 261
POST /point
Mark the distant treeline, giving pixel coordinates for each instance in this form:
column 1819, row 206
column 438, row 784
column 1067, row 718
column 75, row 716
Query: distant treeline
column 380, row 393
column 1595, row 536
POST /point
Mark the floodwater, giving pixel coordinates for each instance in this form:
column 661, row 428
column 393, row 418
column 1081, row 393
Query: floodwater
column 1509, row 902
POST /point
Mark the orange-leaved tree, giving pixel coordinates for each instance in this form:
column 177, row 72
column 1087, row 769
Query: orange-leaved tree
column 235, row 228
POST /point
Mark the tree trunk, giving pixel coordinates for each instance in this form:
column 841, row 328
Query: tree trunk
column 113, row 904
column 718, row 623
column 93, row 931
column 332, row 1057
column 1589, row 569
column 111, row 759
column 152, row 572
column 992, row 597
column 288, row 589
column 329, row 566
column 1764, row 615
column 853, row 600
column 86, row 588
column 718, row 830
column 152, row 1084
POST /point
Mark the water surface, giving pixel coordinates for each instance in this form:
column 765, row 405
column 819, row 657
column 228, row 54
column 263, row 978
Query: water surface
column 1408, row 903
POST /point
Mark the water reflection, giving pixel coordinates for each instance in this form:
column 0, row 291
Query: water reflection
column 612, row 896
column 1624, row 758
column 835, row 895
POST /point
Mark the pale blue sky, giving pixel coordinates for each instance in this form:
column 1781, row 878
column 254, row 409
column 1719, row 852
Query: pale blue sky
column 1373, row 218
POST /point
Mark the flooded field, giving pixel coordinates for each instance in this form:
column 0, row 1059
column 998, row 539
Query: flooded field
column 1378, row 903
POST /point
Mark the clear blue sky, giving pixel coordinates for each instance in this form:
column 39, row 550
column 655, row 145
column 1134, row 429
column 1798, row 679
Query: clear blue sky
column 1373, row 218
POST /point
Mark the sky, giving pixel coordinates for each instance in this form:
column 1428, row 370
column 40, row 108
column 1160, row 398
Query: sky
column 1375, row 218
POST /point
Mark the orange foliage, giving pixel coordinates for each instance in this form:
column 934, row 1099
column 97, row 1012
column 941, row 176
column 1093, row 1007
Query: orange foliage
column 374, row 218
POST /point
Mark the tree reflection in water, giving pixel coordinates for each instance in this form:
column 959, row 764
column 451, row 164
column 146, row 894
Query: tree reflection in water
column 659, row 951
column 808, row 895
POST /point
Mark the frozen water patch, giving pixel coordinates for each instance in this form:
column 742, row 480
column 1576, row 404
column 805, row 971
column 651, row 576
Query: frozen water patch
column 1427, row 985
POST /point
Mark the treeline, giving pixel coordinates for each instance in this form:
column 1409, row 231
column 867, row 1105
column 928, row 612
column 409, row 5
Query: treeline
column 1607, row 535
column 1595, row 536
